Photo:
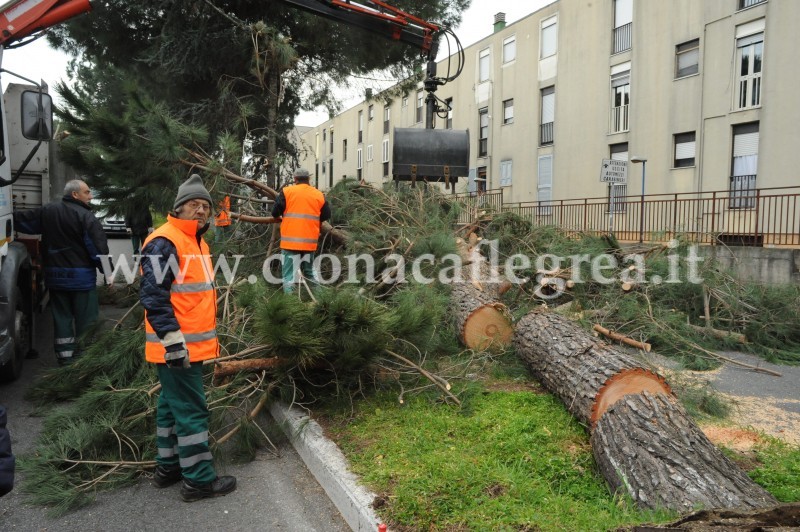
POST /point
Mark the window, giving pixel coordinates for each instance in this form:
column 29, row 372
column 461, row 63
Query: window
column 420, row 102
column 506, row 168
column 744, row 166
column 385, row 157
column 369, row 152
column 331, row 140
column 549, row 43
column 483, row 65
column 359, row 163
column 405, row 101
column 387, row 115
column 619, row 152
column 370, row 113
column 684, row 149
column 508, row 111
column 623, row 20
column 483, row 138
column 544, row 190
column 323, row 167
column 324, row 132
column 687, row 57
column 547, row 116
column 360, row 127
column 449, row 121
column 344, row 149
column 748, row 3
column 620, row 97
column 749, row 53
column 480, row 181
column 330, row 175
column 510, row 49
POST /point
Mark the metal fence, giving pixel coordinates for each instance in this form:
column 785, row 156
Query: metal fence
column 770, row 216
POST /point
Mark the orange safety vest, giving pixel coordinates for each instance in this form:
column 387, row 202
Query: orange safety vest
column 193, row 297
column 300, row 223
column 222, row 219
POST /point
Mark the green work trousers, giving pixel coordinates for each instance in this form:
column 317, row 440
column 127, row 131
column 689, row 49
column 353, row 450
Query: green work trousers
column 73, row 314
column 182, row 423
column 294, row 261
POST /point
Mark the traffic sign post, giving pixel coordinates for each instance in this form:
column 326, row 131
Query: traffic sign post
column 614, row 173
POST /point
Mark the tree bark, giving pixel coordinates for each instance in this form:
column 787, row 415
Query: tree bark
column 645, row 444
column 588, row 374
column 648, row 447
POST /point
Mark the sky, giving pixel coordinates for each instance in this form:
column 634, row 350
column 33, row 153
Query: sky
column 38, row 61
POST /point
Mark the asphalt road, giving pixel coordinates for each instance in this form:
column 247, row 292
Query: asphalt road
column 274, row 492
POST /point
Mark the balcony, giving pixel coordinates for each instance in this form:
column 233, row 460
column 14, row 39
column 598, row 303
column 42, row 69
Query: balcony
column 546, row 134
column 619, row 119
column 622, row 38
column 749, row 3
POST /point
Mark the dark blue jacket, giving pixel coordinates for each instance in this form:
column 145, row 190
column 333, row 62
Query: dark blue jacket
column 72, row 242
column 6, row 458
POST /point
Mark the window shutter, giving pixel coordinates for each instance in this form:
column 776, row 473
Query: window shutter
column 548, row 107
column 545, row 188
column 745, row 144
column 472, row 186
column 506, row 173
column 685, row 150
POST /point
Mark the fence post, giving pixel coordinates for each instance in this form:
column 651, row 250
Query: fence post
column 585, row 212
column 713, row 216
column 675, row 217
column 758, row 210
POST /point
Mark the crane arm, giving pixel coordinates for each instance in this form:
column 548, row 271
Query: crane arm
column 23, row 18
column 377, row 17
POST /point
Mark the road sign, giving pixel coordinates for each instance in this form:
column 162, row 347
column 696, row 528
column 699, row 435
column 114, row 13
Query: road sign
column 613, row 171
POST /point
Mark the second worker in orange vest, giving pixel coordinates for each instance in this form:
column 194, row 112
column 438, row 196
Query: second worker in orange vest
column 222, row 221
column 302, row 208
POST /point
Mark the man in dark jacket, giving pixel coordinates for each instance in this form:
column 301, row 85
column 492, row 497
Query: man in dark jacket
column 6, row 458
column 72, row 242
column 139, row 223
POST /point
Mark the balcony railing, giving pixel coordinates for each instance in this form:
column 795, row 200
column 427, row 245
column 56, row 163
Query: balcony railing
column 747, row 3
column 483, row 147
column 619, row 119
column 622, row 38
column 743, row 191
column 546, row 134
column 772, row 218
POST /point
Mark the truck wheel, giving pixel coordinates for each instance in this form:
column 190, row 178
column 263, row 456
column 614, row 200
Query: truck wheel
column 12, row 369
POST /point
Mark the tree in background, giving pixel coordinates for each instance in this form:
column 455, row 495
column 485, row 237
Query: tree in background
column 237, row 69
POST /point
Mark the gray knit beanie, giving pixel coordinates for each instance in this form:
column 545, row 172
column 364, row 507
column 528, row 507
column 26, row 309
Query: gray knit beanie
column 301, row 173
column 191, row 189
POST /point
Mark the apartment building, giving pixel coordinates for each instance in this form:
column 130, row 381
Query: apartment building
column 700, row 93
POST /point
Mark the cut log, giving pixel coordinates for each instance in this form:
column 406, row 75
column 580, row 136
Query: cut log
column 648, row 447
column 483, row 323
column 588, row 374
column 646, row 444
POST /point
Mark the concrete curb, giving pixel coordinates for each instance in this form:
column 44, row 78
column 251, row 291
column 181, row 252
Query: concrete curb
column 329, row 466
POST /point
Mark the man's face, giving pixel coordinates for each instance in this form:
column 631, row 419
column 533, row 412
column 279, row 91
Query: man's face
column 196, row 209
column 84, row 194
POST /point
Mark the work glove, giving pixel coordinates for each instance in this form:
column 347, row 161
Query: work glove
column 176, row 355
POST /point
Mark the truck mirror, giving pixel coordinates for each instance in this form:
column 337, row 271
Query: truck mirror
column 37, row 115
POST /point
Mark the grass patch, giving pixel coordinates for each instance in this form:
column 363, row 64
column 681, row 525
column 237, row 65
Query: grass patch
column 508, row 460
column 780, row 470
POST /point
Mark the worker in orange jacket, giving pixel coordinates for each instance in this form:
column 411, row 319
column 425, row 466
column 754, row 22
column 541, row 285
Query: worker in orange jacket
column 180, row 302
column 302, row 209
column 222, row 221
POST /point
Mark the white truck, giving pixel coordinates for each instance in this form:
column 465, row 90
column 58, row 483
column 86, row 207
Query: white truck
column 26, row 127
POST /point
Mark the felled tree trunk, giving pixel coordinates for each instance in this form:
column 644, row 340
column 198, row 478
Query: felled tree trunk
column 587, row 374
column 483, row 322
column 646, row 445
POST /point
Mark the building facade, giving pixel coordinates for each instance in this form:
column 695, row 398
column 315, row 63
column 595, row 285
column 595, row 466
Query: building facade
column 700, row 94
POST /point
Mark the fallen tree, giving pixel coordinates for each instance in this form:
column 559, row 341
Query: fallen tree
column 644, row 442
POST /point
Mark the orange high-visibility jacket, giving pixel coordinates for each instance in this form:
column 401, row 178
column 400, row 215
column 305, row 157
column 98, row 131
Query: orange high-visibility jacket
column 300, row 223
column 192, row 296
column 222, row 219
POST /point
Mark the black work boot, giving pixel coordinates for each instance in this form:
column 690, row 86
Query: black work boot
column 164, row 477
column 216, row 488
